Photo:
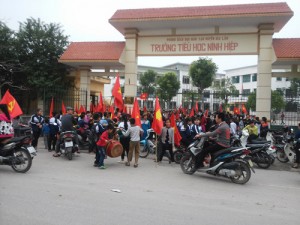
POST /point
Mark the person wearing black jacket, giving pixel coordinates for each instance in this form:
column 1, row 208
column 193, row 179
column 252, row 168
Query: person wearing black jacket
column 36, row 123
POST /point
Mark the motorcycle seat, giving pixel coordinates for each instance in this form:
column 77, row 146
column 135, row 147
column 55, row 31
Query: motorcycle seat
column 254, row 146
column 260, row 142
column 223, row 151
column 16, row 139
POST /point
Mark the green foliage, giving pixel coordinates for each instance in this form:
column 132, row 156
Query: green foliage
column 225, row 88
column 295, row 86
column 277, row 101
column 39, row 46
column 251, row 103
column 147, row 81
column 168, row 86
column 7, row 44
column 203, row 73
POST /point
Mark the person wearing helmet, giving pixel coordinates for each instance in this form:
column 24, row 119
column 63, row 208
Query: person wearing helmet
column 67, row 123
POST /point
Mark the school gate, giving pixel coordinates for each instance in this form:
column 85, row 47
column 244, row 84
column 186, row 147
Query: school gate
column 197, row 31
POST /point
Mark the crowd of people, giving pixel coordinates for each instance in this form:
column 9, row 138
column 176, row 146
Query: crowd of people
column 103, row 127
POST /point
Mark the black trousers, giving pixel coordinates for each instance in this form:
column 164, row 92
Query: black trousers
column 209, row 149
column 52, row 141
column 36, row 133
column 125, row 143
column 164, row 148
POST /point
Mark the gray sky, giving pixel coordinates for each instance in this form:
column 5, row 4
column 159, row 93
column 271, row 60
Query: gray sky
column 88, row 21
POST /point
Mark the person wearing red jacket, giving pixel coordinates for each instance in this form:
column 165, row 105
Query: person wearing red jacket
column 101, row 143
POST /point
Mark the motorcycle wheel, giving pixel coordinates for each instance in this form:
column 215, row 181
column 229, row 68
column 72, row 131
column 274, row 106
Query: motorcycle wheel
column 177, row 156
column 263, row 156
column 22, row 161
column 187, row 164
column 281, row 156
column 243, row 173
column 69, row 154
column 144, row 152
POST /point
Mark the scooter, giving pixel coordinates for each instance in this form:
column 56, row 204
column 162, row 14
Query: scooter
column 232, row 163
column 67, row 146
column 18, row 153
column 290, row 147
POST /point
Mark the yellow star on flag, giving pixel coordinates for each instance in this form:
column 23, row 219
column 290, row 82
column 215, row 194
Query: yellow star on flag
column 11, row 105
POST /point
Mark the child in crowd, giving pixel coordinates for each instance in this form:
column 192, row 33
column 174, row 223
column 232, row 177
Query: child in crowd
column 134, row 132
column 101, row 143
column 46, row 132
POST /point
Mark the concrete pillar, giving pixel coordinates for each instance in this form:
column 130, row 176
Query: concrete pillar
column 263, row 92
column 84, row 99
column 130, row 64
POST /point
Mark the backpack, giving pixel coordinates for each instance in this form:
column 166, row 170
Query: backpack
column 96, row 134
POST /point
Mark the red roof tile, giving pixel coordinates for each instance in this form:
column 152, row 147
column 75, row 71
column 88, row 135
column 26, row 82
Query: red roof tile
column 93, row 51
column 201, row 11
column 287, row 47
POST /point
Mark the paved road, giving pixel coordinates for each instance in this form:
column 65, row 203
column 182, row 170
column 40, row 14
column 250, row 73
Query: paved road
column 61, row 192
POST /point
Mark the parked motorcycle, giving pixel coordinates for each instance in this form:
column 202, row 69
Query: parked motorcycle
column 290, row 147
column 284, row 144
column 18, row 153
column 232, row 163
column 67, row 146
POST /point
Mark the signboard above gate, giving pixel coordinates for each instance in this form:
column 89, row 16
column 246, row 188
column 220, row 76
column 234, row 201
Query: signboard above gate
column 222, row 44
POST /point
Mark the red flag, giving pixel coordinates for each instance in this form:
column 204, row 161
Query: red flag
column 206, row 113
column 12, row 105
column 116, row 92
column 143, row 96
column 236, row 110
column 136, row 113
column 177, row 136
column 81, row 110
column 100, row 107
column 220, row 108
column 145, row 109
column 51, row 108
column 192, row 113
column 244, row 109
column 157, row 124
column 196, row 107
column 177, row 115
column 63, row 108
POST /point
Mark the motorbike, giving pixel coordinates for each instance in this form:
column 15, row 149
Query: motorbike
column 148, row 143
column 290, row 147
column 84, row 139
column 67, row 146
column 233, row 163
column 261, row 152
column 284, row 144
column 18, row 153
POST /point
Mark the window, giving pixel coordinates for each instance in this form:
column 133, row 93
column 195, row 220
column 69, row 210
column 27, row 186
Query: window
column 278, row 78
column 254, row 77
column 246, row 92
column 246, row 78
column 206, row 94
column 185, row 79
column 235, row 79
column 172, row 105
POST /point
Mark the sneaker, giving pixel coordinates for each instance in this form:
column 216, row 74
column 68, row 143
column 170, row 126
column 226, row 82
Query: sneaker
column 102, row 167
column 127, row 164
column 296, row 165
column 121, row 161
column 136, row 165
